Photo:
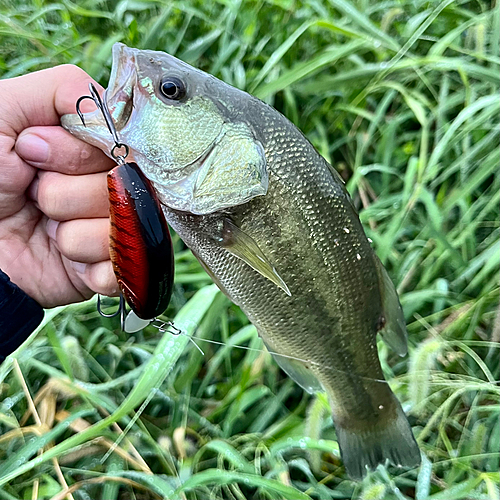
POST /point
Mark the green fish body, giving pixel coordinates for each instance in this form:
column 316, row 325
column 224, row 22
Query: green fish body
column 272, row 223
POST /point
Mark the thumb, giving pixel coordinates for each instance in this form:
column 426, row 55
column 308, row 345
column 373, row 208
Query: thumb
column 42, row 97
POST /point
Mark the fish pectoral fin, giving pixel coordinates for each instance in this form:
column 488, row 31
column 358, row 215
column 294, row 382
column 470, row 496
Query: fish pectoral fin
column 297, row 371
column 392, row 324
column 241, row 245
column 234, row 172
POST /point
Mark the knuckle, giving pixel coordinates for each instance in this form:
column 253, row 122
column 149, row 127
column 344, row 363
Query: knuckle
column 68, row 241
column 48, row 198
column 86, row 151
column 76, row 157
column 71, row 71
column 103, row 279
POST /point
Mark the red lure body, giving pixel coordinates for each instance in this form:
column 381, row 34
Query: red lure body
column 140, row 244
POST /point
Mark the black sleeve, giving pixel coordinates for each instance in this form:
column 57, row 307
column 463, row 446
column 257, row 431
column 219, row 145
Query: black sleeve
column 19, row 316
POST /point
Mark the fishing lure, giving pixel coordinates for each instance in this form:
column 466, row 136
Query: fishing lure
column 140, row 245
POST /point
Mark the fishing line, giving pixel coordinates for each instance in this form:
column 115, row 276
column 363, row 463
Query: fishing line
column 161, row 328
column 246, row 348
column 290, row 357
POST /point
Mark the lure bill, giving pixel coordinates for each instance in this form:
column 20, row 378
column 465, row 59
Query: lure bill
column 140, row 244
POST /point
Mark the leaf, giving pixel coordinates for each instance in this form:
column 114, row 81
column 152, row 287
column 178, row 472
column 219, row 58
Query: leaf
column 457, row 491
column 424, row 479
column 228, row 452
column 219, row 477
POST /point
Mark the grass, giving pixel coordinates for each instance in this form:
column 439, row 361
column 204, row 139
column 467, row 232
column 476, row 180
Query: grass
column 403, row 98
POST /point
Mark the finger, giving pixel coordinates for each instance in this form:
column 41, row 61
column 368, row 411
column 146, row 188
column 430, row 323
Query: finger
column 99, row 277
column 82, row 240
column 66, row 197
column 46, row 96
column 53, row 148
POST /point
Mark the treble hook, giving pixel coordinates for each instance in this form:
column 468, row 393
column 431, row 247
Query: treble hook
column 122, row 310
column 102, row 105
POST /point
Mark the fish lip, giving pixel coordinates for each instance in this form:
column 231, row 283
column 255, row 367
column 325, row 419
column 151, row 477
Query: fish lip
column 120, row 92
column 119, row 98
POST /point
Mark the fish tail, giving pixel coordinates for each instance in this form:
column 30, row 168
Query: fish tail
column 387, row 439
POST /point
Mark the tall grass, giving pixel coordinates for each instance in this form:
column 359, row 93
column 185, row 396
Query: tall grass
column 403, row 98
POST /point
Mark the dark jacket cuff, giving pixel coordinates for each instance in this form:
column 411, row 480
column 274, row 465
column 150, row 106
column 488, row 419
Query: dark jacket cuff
column 19, row 316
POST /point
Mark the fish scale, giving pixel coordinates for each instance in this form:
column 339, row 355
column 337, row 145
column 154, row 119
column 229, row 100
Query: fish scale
column 272, row 223
column 321, row 314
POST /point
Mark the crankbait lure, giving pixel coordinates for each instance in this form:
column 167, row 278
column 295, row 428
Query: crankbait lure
column 140, row 245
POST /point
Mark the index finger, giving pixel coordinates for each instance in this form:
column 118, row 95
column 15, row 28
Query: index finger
column 55, row 149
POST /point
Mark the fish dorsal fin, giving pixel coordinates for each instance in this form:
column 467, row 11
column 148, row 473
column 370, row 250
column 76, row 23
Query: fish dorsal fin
column 392, row 324
column 241, row 245
column 234, row 172
column 297, row 371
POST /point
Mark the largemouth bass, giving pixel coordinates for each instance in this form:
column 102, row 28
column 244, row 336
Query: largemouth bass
column 272, row 223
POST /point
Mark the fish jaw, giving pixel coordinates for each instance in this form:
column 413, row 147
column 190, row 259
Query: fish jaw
column 94, row 131
column 119, row 99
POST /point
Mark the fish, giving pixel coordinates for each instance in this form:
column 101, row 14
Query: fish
column 272, row 223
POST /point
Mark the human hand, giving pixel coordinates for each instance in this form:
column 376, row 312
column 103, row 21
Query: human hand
column 53, row 200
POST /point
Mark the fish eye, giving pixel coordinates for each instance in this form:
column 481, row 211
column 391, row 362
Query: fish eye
column 172, row 88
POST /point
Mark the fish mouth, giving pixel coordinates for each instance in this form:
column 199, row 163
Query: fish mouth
column 119, row 98
column 122, row 81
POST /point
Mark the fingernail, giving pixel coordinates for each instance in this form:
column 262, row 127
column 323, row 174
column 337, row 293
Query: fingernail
column 79, row 267
column 52, row 228
column 32, row 148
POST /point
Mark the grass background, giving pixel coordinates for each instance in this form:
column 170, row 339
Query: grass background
column 403, row 98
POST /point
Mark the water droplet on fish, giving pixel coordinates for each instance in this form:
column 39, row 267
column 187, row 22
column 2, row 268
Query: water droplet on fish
column 370, row 240
column 380, row 407
column 336, row 242
column 358, row 256
column 346, row 230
